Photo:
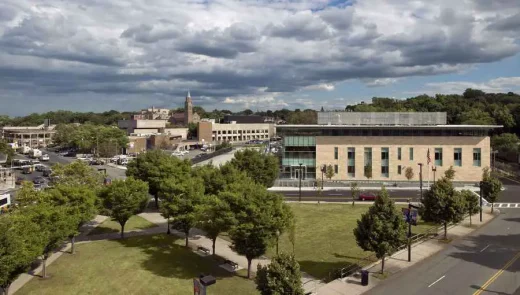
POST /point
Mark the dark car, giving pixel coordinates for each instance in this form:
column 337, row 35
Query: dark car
column 39, row 180
column 47, row 172
column 97, row 162
column 367, row 196
column 19, row 180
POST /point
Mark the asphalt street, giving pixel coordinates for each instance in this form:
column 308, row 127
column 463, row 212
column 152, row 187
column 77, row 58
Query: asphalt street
column 488, row 259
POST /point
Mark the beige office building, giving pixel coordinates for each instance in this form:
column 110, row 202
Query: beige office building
column 209, row 131
column 31, row 136
column 387, row 144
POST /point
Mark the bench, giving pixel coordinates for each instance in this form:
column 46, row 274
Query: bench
column 233, row 264
column 203, row 249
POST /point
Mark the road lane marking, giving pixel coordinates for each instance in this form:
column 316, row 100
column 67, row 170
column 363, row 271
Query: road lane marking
column 485, row 248
column 495, row 276
column 436, row 281
column 508, row 205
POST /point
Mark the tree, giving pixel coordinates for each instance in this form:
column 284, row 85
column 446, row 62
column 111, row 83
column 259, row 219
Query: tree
column 408, row 172
column 80, row 202
column 472, row 202
column 180, row 201
column 381, row 229
column 292, row 234
column 56, row 225
column 450, row 173
column 354, row 190
column 21, row 242
column 27, row 195
column 442, row 204
column 6, row 150
column 329, row 173
column 125, row 198
column 154, row 166
column 77, row 173
column 505, row 142
column 262, row 168
column 368, row 171
column 282, row 219
column 215, row 217
column 282, row 276
column 491, row 187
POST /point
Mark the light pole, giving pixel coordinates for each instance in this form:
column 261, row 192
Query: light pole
column 300, row 177
column 323, row 167
column 434, row 169
column 420, row 178
column 480, row 184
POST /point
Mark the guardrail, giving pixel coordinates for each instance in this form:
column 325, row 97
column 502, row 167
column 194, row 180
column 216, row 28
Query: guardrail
column 212, row 155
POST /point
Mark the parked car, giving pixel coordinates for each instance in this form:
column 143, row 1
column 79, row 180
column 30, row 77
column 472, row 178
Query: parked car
column 39, row 180
column 19, row 180
column 28, row 169
column 39, row 167
column 47, row 172
column 367, row 196
column 97, row 162
column 44, row 158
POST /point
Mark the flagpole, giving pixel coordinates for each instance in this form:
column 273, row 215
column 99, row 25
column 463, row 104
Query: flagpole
column 428, row 175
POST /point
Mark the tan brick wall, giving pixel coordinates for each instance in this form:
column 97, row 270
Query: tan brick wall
column 467, row 172
column 205, row 131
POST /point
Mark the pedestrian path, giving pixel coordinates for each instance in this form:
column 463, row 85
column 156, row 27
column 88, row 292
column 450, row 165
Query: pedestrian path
column 223, row 249
column 507, row 205
column 399, row 261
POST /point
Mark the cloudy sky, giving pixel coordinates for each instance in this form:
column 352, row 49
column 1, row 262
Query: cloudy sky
column 94, row 55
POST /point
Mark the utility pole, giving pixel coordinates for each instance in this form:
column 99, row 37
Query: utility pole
column 420, row 179
column 481, row 201
column 300, row 177
column 409, row 220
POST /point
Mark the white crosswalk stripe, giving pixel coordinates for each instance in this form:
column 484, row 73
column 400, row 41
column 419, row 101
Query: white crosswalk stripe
column 507, row 205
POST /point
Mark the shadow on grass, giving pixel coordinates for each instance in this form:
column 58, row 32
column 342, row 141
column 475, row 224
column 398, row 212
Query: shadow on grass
column 167, row 258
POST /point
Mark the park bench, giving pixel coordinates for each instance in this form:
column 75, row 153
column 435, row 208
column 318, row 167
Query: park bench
column 233, row 264
column 203, row 249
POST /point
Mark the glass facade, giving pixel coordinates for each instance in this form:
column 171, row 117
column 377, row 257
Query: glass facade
column 299, row 150
column 438, row 156
column 385, row 172
column 351, row 162
column 457, row 157
column 476, row 157
column 411, row 154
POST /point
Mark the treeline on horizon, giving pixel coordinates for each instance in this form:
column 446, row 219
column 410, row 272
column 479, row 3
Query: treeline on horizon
column 473, row 107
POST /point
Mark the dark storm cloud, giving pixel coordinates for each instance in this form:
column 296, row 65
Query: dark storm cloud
column 302, row 27
column 511, row 23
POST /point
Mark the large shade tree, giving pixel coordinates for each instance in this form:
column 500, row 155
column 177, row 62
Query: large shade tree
column 282, row 276
column 262, row 168
column 491, row 187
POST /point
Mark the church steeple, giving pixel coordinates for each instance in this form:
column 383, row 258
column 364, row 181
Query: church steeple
column 188, row 109
column 188, row 94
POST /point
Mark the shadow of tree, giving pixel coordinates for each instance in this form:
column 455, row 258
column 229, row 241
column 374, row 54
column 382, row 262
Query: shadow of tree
column 324, row 270
column 167, row 258
column 501, row 249
column 514, row 219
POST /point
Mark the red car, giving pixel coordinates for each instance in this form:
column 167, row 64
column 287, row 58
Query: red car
column 367, row 196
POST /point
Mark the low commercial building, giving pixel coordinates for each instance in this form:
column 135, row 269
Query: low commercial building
column 209, row 131
column 142, row 127
column 381, row 146
column 31, row 136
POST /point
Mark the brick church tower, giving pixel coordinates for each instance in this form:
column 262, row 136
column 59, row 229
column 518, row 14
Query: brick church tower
column 188, row 109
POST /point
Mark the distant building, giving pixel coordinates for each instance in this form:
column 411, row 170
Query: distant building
column 153, row 114
column 31, row 136
column 209, row 131
column 188, row 116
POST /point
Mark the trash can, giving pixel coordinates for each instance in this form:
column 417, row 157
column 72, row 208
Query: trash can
column 364, row 277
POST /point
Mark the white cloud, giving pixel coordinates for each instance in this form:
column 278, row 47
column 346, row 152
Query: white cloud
column 57, row 50
column 502, row 84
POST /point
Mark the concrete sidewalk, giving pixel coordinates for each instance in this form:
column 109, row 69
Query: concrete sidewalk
column 368, row 188
column 399, row 261
column 223, row 249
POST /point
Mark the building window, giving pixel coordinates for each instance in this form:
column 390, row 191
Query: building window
column 476, row 157
column 399, row 169
column 335, row 153
column 399, row 154
column 411, row 154
column 438, row 156
column 368, row 160
column 351, row 162
column 384, row 162
column 336, row 169
column 457, row 157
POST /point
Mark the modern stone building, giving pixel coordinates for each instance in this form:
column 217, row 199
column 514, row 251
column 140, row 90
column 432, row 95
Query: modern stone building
column 388, row 143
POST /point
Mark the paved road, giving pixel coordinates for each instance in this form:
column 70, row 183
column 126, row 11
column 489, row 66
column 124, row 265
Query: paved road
column 488, row 258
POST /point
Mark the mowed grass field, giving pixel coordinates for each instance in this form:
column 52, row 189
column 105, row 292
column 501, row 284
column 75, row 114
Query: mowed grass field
column 325, row 239
column 109, row 226
column 155, row 264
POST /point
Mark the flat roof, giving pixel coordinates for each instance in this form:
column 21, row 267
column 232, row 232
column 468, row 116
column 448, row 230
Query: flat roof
column 391, row 126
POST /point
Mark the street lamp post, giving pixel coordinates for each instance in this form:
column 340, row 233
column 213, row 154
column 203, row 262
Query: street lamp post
column 420, row 178
column 434, row 169
column 300, row 177
column 323, row 167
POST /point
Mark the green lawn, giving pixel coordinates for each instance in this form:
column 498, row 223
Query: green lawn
column 324, row 238
column 138, row 265
column 110, row 226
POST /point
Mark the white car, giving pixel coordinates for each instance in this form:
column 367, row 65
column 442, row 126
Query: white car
column 185, row 152
column 44, row 158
